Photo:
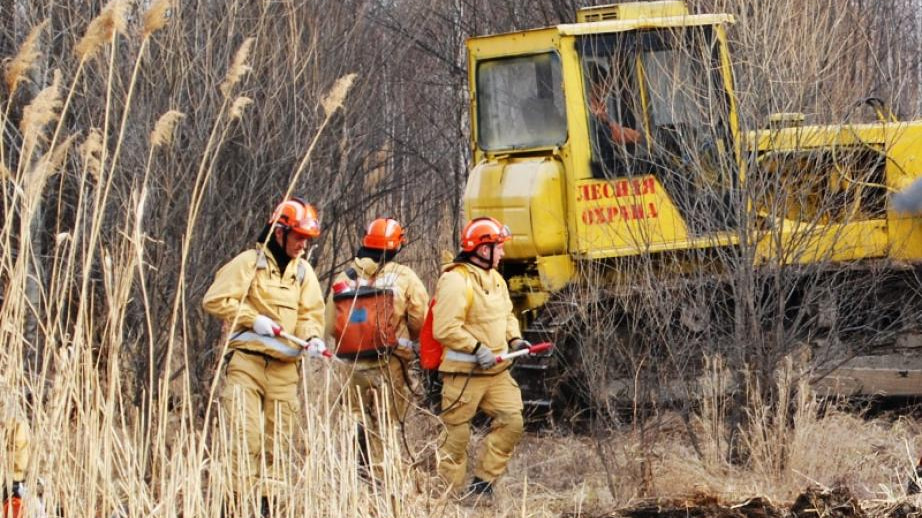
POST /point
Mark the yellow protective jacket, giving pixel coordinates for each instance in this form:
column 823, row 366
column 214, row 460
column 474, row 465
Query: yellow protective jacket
column 251, row 285
column 488, row 318
column 411, row 300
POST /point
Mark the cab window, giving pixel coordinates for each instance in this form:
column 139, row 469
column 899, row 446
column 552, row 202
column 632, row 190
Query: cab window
column 520, row 103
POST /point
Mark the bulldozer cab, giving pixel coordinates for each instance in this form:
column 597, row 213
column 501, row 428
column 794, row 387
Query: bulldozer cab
column 612, row 137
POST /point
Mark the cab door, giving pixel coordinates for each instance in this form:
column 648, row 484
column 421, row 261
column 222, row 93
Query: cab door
column 663, row 159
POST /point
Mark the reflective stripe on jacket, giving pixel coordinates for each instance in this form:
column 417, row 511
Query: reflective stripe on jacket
column 282, row 349
column 489, row 319
column 456, row 356
column 244, row 289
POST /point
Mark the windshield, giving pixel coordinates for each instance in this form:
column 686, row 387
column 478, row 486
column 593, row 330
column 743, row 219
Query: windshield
column 672, row 88
column 656, row 104
column 520, row 103
column 654, row 89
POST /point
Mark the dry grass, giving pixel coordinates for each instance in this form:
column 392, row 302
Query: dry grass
column 98, row 323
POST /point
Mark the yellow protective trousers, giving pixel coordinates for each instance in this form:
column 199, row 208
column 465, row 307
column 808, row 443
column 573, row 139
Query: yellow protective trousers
column 259, row 401
column 379, row 395
column 496, row 395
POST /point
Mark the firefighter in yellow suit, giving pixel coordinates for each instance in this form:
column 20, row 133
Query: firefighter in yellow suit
column 261, row 292
column 379, row 379
column 473, row 319
column 19, row 440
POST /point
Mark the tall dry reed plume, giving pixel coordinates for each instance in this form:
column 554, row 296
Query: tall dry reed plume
column 111, row 21
column 238, row 67
column 91, row 153
column 237, row 108
column 164, row 129
column 236, row 71
column 334, row 99
column 34, row 180
column 16, row 70
column 156, row 17
column 39, row 113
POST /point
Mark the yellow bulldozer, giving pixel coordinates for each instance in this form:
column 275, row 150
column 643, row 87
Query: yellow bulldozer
column 639, row 207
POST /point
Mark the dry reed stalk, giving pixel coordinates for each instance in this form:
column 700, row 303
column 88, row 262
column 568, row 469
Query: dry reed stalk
column 111, row 22
column 129, row 97
column 101, row 30
column 17, row 68
column 331, row 103
column 161, row 136
column 32, row 187
column 236, row 70
column 238, row 67
column 714, row 396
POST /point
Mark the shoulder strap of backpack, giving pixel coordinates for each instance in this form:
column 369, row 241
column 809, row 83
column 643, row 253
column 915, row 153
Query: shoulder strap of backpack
column 261, row 262
column 467, row 283
column 302, row 272
column 351, row 273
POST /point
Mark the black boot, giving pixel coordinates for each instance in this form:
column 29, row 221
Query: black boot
column 479, row 493
column 364, row 466
column 264, row 509
column 480, row 487
column 912, row 487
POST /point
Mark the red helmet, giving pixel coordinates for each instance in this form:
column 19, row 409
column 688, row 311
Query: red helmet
column 479, row 231
column 296, row 215
column 384, row 234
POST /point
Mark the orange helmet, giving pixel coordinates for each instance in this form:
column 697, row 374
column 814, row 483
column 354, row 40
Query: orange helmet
column 296, row 215
column 384, row 234
column 479, row 231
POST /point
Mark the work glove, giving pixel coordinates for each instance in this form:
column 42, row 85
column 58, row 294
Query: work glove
column 485, row 357
column 517, row 344
column 315, row 348
column 264, row 325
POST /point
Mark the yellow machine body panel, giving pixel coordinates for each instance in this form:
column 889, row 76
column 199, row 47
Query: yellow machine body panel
column 840, row 211
column 627, row 216
column 528, row 196
column 635, row 10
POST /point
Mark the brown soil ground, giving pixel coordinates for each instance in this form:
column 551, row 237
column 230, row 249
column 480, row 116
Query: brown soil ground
column 838, row 502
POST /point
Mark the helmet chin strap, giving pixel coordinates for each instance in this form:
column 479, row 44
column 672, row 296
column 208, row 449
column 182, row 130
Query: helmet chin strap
column 489, row 259
column 285, row 230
